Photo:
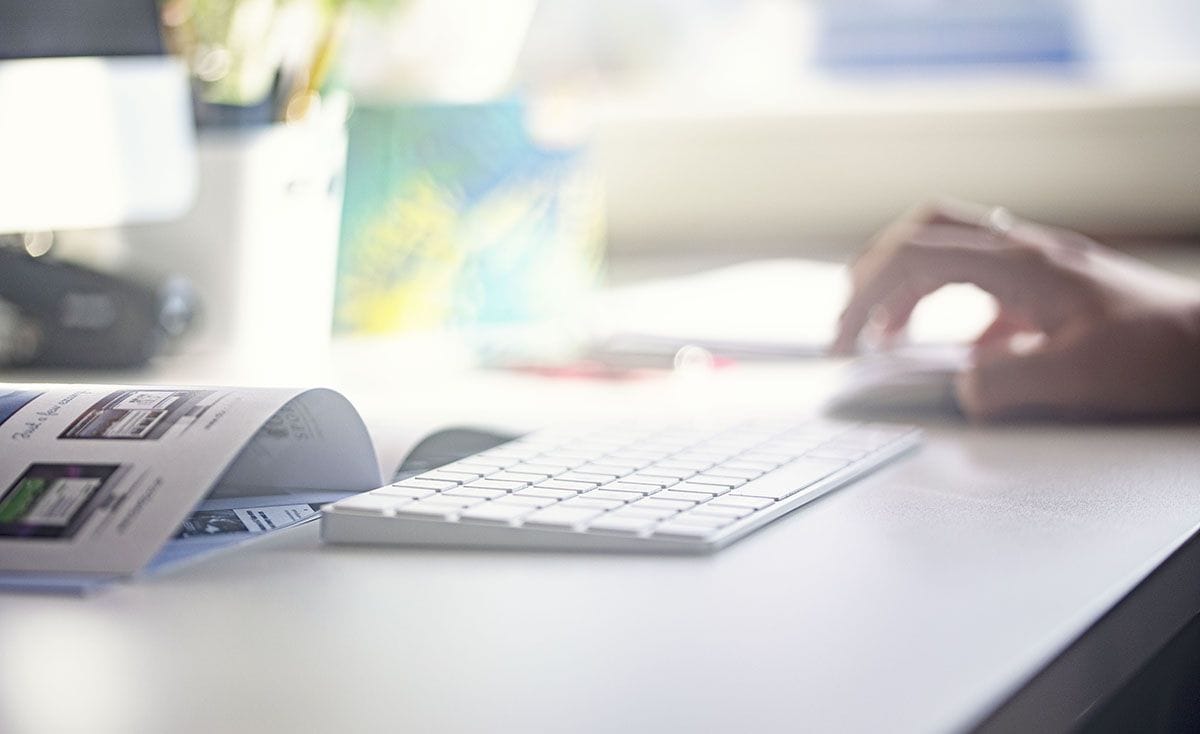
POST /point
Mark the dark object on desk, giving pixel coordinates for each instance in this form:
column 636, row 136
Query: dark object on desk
column 58, row 28
column 64, row 315
column 443, row 447
column 214, row 115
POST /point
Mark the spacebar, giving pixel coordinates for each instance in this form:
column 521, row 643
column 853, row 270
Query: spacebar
column 789, row 478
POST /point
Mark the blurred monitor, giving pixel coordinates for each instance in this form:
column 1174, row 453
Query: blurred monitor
column 96, row 127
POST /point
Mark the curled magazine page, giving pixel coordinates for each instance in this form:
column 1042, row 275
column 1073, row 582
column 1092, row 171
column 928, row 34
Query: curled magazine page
column 315, row 443
column 95, row 478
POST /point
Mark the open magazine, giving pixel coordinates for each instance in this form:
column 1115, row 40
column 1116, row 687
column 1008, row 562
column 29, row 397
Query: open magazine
column 98, row 483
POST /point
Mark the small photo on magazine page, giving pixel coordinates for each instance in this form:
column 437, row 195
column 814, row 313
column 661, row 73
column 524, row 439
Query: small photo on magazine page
column 210, row 523
column 141, row 415
column 52, row 501
column 11, row 401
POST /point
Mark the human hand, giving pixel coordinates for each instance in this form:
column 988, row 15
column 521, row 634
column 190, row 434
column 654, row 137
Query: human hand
column 1081, row 330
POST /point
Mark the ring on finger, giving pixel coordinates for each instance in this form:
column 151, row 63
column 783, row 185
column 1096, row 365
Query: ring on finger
column 998, row 222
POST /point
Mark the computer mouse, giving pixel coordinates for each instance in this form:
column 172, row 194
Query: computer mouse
column 904, row 380
column 443, row 447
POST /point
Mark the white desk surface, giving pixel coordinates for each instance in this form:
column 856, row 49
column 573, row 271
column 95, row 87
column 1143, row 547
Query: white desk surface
column 919, row 599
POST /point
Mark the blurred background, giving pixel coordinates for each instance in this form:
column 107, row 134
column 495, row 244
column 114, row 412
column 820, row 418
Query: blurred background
column 374, row 167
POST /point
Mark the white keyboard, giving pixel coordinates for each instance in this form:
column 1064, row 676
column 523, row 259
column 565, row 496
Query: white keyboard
column 680, row 488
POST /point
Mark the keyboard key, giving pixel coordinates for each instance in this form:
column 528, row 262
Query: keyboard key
column 398, row 491
column 671, row 529
column 709, row 508
column 501, row 513
column 853, row 443
column 789, row 478
column 640, row 489
column 467, row 466
column 372, row 503
column 574, row 476
column 658, row 470
column 691, row 499
column 691, row 517
column 563, row 484
column 759, row 466
column 638, row 454
column 765, row 458
column 704, row 457
column 726, row 471
column 727, row 448
column 486, row 494
column 726, row 482
column 608, row 494
column 639, row 478
column 513, row 499
column 444, row 475
column 704, row 491
column 695, row 466
column 451, row 500
column 544, row 470
column 562, row 517
column 572, row 452
column 658, row 504
column 435, row 510
column 622, row 525
column 644, row 513
column 591, row 502
column 496, row 462
column 436, row 484
column 554, row 494
column 626, row 462
column 562, row 462
column 753, row 503
column 610, row 471
column 789, row 449
column 496, row 484
column 511, row 476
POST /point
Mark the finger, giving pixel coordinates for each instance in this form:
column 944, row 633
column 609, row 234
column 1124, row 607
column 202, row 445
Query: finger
column 866, row 271
column 930, row 258
column 942, row 210
column 1003, row 328
column 890, row 316
column 880, row 249
column 898, row 309
column 894, row 231
column 946, row 210
column 938, row 211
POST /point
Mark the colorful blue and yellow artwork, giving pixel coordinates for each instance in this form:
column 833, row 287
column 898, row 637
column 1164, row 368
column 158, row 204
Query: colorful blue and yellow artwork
column 454, row 216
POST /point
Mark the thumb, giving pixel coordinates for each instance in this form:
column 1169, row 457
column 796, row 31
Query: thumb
column 1005, row 384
